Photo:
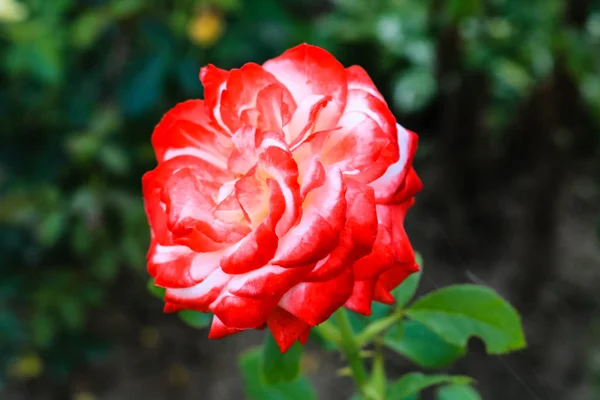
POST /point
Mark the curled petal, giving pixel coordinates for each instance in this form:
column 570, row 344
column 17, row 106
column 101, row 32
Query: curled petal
column 393, row 277
column 356, row 147
column 304, row 121
column 313, row 177
column 242, row 312
column 188, row 130
column 279, row 164
column 286, row 328
column 274, row 108
column 252, row 252
column 314, row 302
column 318, row 231
column 179, row 266
column 268, row 281
column 189, row 207
column 219, row 330
column 241, row 93
column 243, row 156
column 214, row 81
column 359, row 79
column 358, row 236
column 388, row 184
column 362, row 297
column 200, row 296
column 308, row 70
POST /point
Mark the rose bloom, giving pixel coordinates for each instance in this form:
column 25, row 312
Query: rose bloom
column 281, row 196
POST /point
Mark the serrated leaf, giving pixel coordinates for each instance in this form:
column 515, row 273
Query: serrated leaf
column 458, row 392
column 278, row 366
column 414, row 382
column 195, row 319
column 422, row 346
column 156, row 291
column 256, row 388
column 457, row 313
column 407, row 289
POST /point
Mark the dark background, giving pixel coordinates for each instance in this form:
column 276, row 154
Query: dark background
column 505, row 95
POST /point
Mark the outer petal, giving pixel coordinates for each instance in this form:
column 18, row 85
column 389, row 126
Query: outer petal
column 279, row 164
column 362, row 297
column 200, row 296
column 219, row 330
column 286, row 328
column 214, row 81
column 314, row 302
column 308, row 70
column 270, row 281
column 242, row 312
column 359, row 79
column 179, row 266
column 241, row 92
column 356, row 147
column 358, row 236
column 318, row 231
column 188, row 130
column 388, row 184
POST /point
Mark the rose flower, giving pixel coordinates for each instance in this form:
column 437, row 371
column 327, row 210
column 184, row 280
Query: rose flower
column 280, row 197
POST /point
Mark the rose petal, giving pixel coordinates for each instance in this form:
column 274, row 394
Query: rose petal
column 356, row 147
column 252, row 252
column 241, row 93
column 358, row 236
column 214, row 81
column 219, row 330
column 388, row 184
column 242, row 312
column 268, row 281
column 319, row 228
column 362, row 297
column 314, row 302
column 286, row 328
column 279, row 164
column 179, row 266
column 200, row 296
column 188, row 130
column 359, row 79
column 308, row 70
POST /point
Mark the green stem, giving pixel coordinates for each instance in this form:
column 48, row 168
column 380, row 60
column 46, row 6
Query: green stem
column 351, row 350
column 376, row 328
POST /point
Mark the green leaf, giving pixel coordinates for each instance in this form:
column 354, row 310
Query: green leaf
column 195, row 319
column 458, row 392
column 278, row 366
column 406, row 291
column 88, row 28
column 423, row 347
column 156, row 291
column 257, row 389
column 459, row 312
column 414, row 89
column 125, row 8
column 414, row 382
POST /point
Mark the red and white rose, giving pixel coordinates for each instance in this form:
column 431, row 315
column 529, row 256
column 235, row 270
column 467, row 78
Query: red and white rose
column 281, row 196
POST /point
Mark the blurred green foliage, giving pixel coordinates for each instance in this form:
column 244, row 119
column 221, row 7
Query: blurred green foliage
column 83, row 83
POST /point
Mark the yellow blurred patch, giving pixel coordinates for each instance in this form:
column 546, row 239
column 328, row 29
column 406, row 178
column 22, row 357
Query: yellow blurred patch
column 309, row 363
column 149, row 337
column 28, row 366
column 84, row 396
column 206, row 28
column 178, row 375
column 12, row 11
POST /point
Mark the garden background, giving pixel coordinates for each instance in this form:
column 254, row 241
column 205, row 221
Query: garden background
column 505, row 95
